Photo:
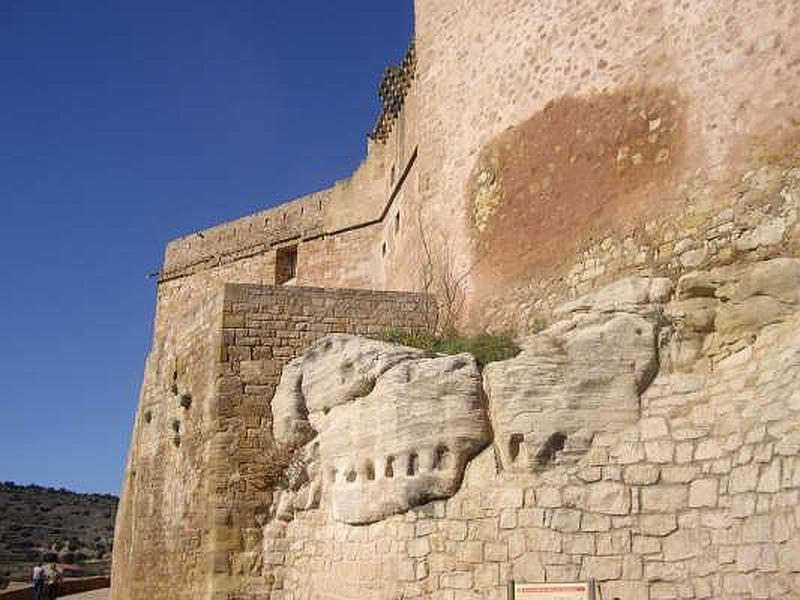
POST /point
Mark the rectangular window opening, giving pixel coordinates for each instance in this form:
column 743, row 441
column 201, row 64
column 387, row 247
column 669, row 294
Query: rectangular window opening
column 285, row 265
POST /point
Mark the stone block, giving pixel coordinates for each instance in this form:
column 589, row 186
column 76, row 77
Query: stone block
column 641, row 474
column 624, row 590
column 703, row 492
column 664, row 498
column 601, row 568
column 769, row 480
column 470, row 551
column 528, row 567
column 609, row 498
column 593, row 522
column 684, row 543
column 578, row 543
column 660, row 451
column 544, row 540
column 565, row 519
column 508, row 519
column 495, row 552
column 419, row 547
column 458, row 580
column 643, row 544
column 657, row 525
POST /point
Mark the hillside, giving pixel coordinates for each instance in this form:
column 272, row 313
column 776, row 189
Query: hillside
column 38, row 523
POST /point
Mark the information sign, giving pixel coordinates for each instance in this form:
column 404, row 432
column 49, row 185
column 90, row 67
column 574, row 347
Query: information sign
column 584, row 590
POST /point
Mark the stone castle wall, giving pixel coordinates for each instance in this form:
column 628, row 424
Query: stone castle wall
column 527, row 134
column 558, row 125
column 542, row 151
column 196, row 480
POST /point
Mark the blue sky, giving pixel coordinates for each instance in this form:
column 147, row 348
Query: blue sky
column 124, row 125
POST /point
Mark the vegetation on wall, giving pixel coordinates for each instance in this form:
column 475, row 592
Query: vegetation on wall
column 485, row 347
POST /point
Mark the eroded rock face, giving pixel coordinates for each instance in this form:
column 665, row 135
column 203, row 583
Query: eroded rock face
column 334, row 371
column 720, row 312
column 391, row 429
column 582, row 375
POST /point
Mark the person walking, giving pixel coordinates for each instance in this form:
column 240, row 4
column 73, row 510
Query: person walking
column 39, row 578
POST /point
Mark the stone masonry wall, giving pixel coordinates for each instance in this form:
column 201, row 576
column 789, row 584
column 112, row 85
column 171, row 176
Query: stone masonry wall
column 697, row 499
column 262, row 328
column 544, row 150
column 197, row 480
column 569, row 77
column 162, row 522
column 754, row 218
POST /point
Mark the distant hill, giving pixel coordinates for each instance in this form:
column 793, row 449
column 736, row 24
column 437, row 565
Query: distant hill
column 54, row 525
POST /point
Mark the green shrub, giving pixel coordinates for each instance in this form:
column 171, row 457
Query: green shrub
column 176, row 425
column 186, row 400
column 485, row 347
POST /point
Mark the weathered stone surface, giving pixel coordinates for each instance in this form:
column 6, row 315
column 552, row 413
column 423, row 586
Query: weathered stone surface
column 581, row 375
column 334, row 371
column 395, row 430
column 717, row 308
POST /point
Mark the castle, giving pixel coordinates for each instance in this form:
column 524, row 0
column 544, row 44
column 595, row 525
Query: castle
column 606, row 167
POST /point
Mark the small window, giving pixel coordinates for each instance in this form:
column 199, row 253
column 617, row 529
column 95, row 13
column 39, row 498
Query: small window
column 383, row 249
column 285, row 265
column 397, row 223
column 392, row 175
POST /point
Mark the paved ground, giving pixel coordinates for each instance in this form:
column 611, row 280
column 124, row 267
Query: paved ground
column 103, row 594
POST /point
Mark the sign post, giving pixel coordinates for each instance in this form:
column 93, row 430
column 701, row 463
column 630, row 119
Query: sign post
column 584, row 590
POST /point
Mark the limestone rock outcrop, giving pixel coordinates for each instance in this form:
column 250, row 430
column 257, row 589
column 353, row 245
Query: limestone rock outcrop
column 391, row 428
column 719, row 313
column 334, row 371
column 582, row 375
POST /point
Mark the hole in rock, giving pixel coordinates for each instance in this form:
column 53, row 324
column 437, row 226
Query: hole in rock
column 514, row 444
column 553, row 445
column 389, row 471
column 441, row 458
column 413, row 464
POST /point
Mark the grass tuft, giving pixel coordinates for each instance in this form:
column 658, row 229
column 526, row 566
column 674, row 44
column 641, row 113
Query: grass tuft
column 485, row 347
